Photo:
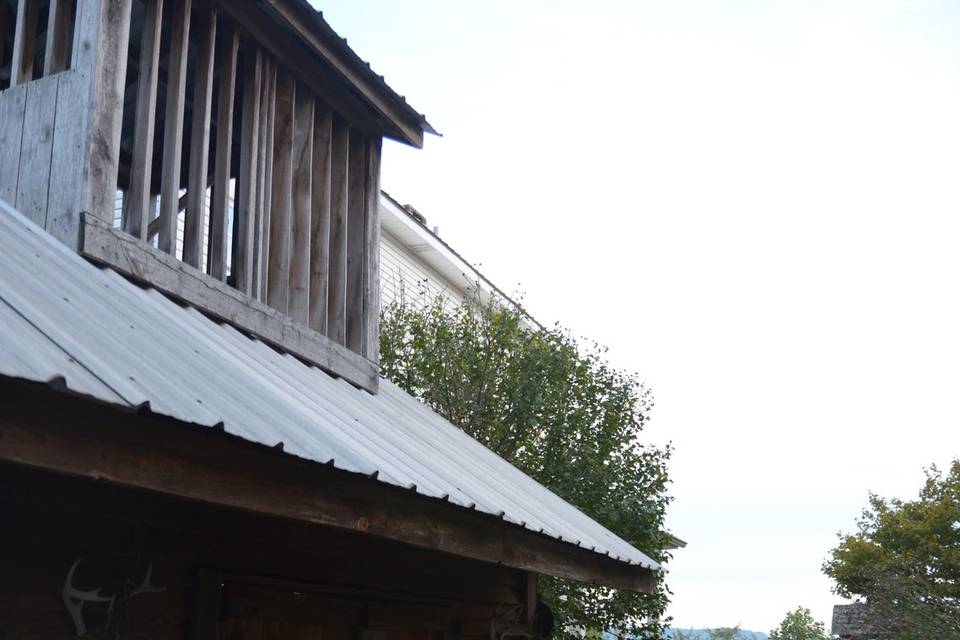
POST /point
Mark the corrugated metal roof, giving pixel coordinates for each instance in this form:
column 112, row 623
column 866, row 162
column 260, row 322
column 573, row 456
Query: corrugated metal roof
column 64, row 320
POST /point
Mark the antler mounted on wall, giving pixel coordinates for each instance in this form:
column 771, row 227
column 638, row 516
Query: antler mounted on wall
column 74, row 600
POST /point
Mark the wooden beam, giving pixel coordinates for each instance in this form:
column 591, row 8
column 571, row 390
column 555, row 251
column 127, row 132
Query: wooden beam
column 299, row 288
column 142, row 262
column 281, row 205
column 271, row 102
column 371, row 250
column 339, row 176
column 195, row 219
column 320, row 219
column 244, row 210
column 46, row 429
column 24, row 38
column 261, row 243
column 173, row 125
column 356, row 257
column 139, row 214
column 226, row 90
column 59, row 34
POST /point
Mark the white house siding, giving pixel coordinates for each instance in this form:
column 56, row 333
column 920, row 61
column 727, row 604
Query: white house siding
column 402, row 272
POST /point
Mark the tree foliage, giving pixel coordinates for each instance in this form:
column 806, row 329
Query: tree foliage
column 800, row 625
column 559, row 412
column 904, row 560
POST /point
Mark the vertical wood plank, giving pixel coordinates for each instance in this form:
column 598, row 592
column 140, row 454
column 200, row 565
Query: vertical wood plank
column 371, row 250
column 33, row 186
column 320, row 219
column 173, row 126
column 13, row 103
column 244, row 210
column 261, row 242
column 281, row 208
column 339, row 175
column 24, row 39
column 200, row 141
column 268, row 181
column 356, row 211
column 226, row 91
column 141, row 165
column 299, row 296
column 59, row 34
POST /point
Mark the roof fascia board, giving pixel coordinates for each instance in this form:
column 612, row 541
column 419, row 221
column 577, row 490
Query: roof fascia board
column 306, row 23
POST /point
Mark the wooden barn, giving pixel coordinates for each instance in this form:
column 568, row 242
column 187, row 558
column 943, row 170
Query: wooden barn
column 194, row 438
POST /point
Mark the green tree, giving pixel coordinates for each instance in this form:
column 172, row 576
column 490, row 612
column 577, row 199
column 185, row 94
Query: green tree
column 904, row 560
column 800, row 625
column 556, row 410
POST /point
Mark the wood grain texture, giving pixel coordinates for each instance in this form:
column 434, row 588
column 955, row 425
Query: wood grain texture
column 173, row 125
column 244, row 212
column 145, row 263
column 266, row 214
column 195, row 218
column 370, row 347
column 300, row 229
column 226, row 92
column 13, row 103
column 59, row 35
column 36, row 152
column 24, row 39
column 320, row 219
column 139, row 214
column 356, row 256
column 339, row 175
column 281, row 202
column 261, row 242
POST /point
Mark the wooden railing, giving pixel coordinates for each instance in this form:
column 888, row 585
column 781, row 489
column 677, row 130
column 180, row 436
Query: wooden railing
column 238, row 161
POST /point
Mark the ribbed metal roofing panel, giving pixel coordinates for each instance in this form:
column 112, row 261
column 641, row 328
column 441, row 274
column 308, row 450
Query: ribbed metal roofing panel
column 68, row 322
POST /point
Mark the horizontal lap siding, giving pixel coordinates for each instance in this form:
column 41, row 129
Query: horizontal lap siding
column 402, row 271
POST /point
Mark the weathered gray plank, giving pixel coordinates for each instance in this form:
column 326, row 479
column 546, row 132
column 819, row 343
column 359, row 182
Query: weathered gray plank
column 356, row 212
column 13, row 102
column 195, row 217
column 371, row 276
column 268, row 179
column 226, row 91
column 24, row 38
column 138, row 215
column 299, row 292
column 339, row 174
column 261, row 241
column 246, row 202
column 139, row 260
column 173, row 125
column 320, row 219
column 33, row 185
column 278, row 269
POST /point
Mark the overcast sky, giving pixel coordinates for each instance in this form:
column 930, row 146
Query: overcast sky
column 755, row 204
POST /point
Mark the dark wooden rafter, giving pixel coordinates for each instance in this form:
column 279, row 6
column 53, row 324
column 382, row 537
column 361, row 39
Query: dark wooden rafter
column 58, row 432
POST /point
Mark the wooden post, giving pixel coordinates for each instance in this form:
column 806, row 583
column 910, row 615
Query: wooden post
column 24, row 39
column 138, row 215
column 244, row 209
column 226, row 90
column 371, row 250
column 299, row 293
column 268, row 180
column 356, row 212
column 278, row 269
column 194, row 221
column 320, row 219
column 59, row 32
column 261, row 243
column 173, row 126
column 339, row 174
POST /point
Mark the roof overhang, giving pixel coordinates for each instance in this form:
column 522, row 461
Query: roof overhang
column 339, row 65
column 141, row 450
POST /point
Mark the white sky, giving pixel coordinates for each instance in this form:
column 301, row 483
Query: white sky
column 753, row 203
